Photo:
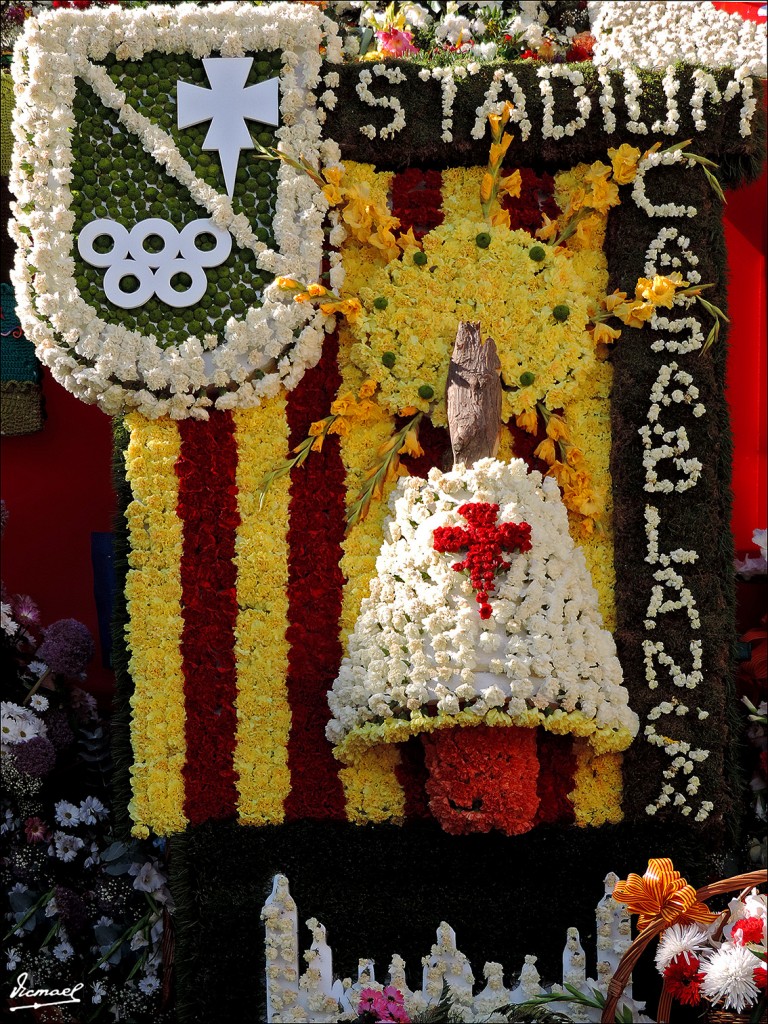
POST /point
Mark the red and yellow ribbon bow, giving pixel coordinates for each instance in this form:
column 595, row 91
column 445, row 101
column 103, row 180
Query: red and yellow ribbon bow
column 661, row 892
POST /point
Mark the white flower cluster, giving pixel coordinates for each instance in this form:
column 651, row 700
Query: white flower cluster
column 671, row 86
column 583, row 103
column 19, row 724
column 492, row 104
column 658, row 260
column 420, row 642
column 108, row 364
column 674, row 442
column 664, row 159
column 653, row 35
column 393, row 75
column 673, row 389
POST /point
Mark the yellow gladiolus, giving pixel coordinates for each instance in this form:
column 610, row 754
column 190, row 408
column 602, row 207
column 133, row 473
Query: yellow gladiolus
column 602, row 195
column 333, row 194
column 316, row 290
column 339, row 426
column 659, row 290
column 498, row 149
column 288, row 282
column 557, row 429
column 604, row 334
column 624, row 161
column 511, row 184
column 333, row 175
column 546, row 451
column 500, row 219
column 486, row 187
column 549, row 228
column 411, row 444
column 528, row 421
column 367, row 388
column 343, row 405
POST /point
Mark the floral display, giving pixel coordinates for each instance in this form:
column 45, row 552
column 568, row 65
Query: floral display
column 526, row 661
column 80, row 903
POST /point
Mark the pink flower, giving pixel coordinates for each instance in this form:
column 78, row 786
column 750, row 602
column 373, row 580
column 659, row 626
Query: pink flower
column 36, row 830
column 385, row 1006
column 393, row 42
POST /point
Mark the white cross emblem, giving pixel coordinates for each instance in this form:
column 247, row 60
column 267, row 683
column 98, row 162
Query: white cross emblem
column 226, row 105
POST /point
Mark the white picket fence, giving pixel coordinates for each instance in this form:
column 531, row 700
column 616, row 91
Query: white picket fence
column 314, row 997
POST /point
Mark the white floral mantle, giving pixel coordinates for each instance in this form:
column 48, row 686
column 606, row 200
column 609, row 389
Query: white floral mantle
column 109, row 364
column 544, row 657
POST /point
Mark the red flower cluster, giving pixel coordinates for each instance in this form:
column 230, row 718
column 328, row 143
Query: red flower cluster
column 485, row 541
column 536, row 197
column 683, row 979
column 483, row 778
column 748, row 929
column 315, row 581
column 417, row 198
column 207, row 507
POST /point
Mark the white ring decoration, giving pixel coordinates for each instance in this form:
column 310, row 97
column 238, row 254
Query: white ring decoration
column 97, row 229
column 117, row 295
column 166, row 293
column 154, row 226
column 211, row 258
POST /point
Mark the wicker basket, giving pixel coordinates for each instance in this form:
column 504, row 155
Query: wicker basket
column 718, row 1016
column 737, row 883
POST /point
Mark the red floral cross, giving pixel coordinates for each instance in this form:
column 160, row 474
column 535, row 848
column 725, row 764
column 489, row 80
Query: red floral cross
column 485, row 541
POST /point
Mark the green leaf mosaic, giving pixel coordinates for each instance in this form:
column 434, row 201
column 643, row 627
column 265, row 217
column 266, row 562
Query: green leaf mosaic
column 115, row 177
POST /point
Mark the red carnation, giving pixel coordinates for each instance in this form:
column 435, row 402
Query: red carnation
column 748, row 929
column 761, row 978
column 684, row 979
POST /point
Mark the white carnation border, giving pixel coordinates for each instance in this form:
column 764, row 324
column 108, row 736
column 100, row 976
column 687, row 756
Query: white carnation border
column 107, row 364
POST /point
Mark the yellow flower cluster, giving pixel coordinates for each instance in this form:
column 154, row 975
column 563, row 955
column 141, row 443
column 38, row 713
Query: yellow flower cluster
column 397, row 730
column 366, row 214
column 261, row 650
column 371, row 788
column 153, row 633
column 512, row 295
column 598, row 786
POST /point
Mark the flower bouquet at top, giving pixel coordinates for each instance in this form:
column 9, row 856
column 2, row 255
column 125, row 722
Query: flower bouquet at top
column 714, row 961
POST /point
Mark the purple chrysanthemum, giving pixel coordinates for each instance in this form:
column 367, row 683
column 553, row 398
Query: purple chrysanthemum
column 67, row 647
column 36, row 757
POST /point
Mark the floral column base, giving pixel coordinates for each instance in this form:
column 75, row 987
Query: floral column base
column 482, row 778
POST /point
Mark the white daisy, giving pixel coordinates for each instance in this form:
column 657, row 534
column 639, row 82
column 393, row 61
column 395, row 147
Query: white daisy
column 67, row 814
column 67, row 846
column 39, row 702
column 729, row 976
column 679, row 940
column 149, row 985
column 63, row 951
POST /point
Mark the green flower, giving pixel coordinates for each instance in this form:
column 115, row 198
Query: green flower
column 483, row 240
column 537, row 253
column 426, row 391
column 561, row 312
